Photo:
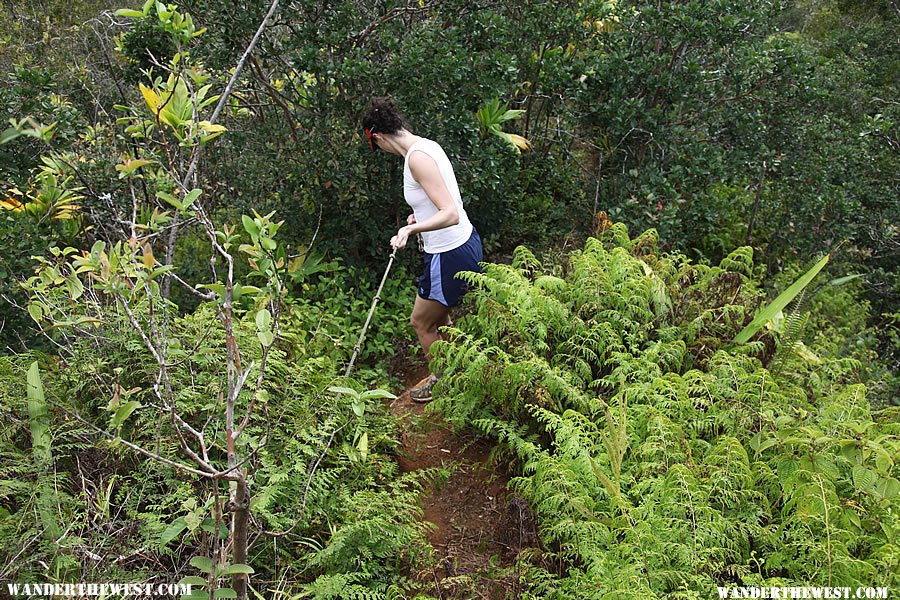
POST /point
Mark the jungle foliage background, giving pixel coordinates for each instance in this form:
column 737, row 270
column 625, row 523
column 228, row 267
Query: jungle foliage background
column 688, row 161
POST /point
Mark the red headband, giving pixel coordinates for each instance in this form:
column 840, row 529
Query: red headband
column 369, row 135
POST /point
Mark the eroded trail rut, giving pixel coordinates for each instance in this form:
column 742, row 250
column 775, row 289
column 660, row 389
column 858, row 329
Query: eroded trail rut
column 480, row 528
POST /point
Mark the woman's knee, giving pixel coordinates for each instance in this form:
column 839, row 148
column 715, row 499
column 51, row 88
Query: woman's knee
column 421, row 323
column 427, row 321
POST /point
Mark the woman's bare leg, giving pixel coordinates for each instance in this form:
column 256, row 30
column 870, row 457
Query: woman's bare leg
column 427, row 316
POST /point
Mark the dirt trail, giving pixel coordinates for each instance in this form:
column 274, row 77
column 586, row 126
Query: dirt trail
column 480, row 528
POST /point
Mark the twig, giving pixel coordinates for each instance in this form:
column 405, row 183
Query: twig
column 408, row 9
column 228, row 88
column 135, row 447
column 308, row 484
column 195, row 159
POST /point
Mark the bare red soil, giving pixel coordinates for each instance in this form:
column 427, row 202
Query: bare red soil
column 480, row 527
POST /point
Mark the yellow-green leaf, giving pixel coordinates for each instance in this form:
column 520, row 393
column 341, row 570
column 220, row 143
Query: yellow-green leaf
column 519, row 142
column 151, row 98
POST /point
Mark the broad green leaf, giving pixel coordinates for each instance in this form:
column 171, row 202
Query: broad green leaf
column 97, row 249
column 170, row 199
column 371, row 394
column 250, row 226
column 783, row 299
column 192, row 520
column 263, row 319
column 191, row 197
column 75, row 287
column 344, row 390
column 245, row 290
column 192, row 580
column 265, row 337
column 237, row 568
column 884, row 462
column 887, row 487
column 225, row 592
column 863, row 478
column 36, row 312
column 208, row 525
column 127, row 12
column 262, row 396
column 848, row 450
column 202, row 563
column 123, row 412
column 760, row 445
column 510, row 114
column 359, row 408
column 172, row 531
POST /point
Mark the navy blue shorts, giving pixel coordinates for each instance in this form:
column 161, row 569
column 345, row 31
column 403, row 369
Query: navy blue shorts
column 439, row 281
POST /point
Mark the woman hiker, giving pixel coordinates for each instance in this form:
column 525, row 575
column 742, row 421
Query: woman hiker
column 451, row 243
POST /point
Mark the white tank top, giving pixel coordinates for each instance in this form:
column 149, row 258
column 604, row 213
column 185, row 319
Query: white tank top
column 448, row 238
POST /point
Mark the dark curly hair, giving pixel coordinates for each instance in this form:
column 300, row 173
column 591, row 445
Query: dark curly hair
column 382, row 116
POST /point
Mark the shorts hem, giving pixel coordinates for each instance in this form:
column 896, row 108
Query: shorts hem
column 444, row 304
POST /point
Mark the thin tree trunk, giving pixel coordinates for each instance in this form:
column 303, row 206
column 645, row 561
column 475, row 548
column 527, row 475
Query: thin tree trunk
column 190, row 178
column 759, row 187
column 240, row 518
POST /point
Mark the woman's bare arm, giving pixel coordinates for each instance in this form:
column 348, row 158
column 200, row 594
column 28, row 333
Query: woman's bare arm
column 426, row 172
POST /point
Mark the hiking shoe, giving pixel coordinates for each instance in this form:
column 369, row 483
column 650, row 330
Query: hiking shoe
column 423, row 394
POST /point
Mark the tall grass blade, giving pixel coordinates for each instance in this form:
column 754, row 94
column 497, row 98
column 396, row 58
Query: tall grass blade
column 784, row 298
column 39, row 423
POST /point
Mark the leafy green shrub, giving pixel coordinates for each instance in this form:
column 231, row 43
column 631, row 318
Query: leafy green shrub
column 20, row 238
column 326, row 477
column 33, row 92
column 144, row 40
column 660, row 458
column 331, row 307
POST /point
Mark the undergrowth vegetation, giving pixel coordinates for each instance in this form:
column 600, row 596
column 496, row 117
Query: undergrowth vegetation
column 331, row 513
column 662, row 459
column 169, row 369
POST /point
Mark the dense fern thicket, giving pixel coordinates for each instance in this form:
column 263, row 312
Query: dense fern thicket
column 660, row 458
column 332, row 516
